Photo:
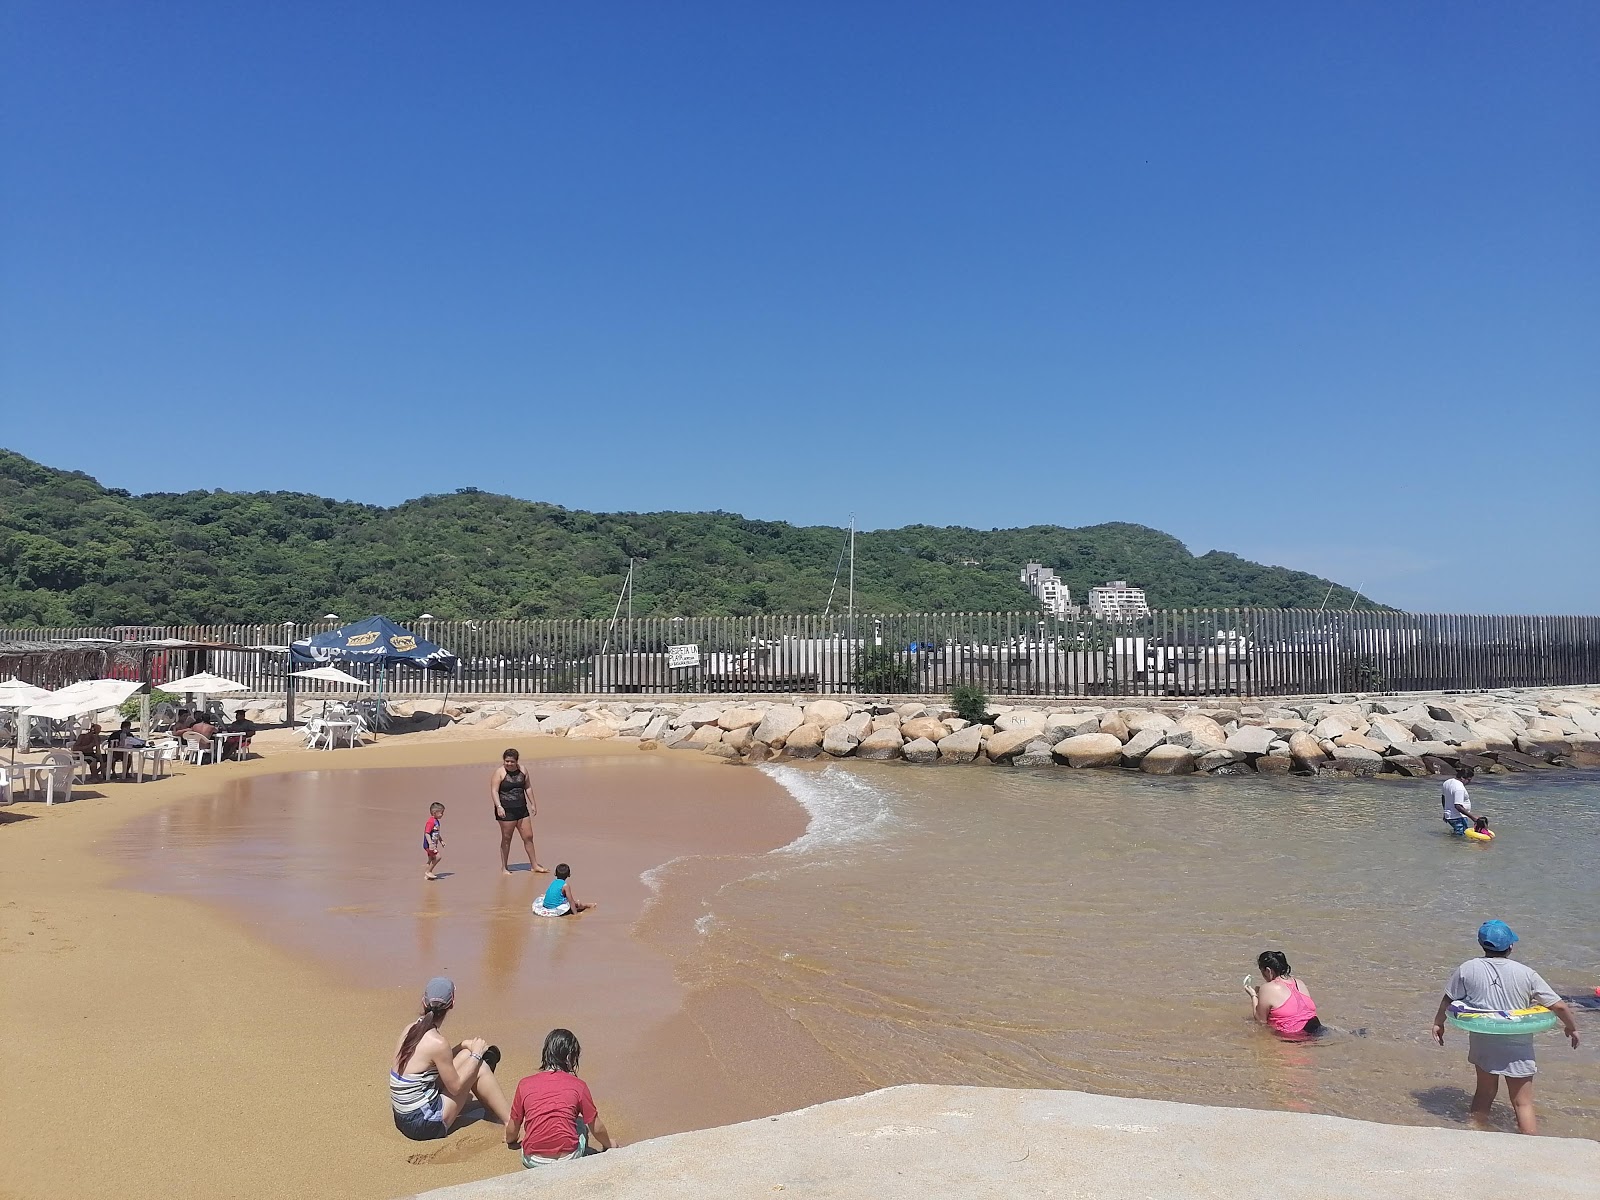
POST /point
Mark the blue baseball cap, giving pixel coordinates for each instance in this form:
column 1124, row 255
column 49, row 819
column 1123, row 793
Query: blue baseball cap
column 1496, row 935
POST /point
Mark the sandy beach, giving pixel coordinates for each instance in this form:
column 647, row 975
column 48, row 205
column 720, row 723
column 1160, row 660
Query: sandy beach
column 176, row 1048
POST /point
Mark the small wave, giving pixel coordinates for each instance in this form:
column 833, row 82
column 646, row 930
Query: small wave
column 702, row 925
column 844, row 808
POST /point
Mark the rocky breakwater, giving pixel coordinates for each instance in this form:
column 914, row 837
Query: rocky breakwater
column 1345, row 736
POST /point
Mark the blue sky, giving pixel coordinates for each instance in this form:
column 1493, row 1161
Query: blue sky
column 1319, row 285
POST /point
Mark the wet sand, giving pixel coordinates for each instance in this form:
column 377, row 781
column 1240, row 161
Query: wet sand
column 209, row 972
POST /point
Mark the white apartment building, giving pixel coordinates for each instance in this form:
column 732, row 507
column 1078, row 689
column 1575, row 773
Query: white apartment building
column 1048, row 588
column 1116, row 601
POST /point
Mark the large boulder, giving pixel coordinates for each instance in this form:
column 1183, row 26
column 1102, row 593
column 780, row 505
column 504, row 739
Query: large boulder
column 1406, row 764
column 1306, row 751
column 1140, row 744
column 594, row 730
column 1074, row 724
column 920, row 750
column 556, row 722
column 739, row 738
column 699, row 714
column 842, row 739
column 1138, row 721
column 1274, row 764
column 1036, row 753
column 1250, row 739
column 1536, row 746
column 721, row 749
column 1113, row 725
column 778, row 722
column 1382, row 728
column 1204, row 733
column 1440, row 731
column 1441, row 710
column 1332, row 726
column 963, row 745
column 527, row 722
column 804, row 742
column 881, row 744
column 929, row 728
column 1585, row 720
column 678, row 739
column 1090, row 750
column 705, row 735
column 826, row 713
column 1223, row 762
column 1005, row 744
column 1019, row 718
column 741, row 718
column 1493, row 735
column 1376, row 745
column 1357, row 760
column 1284, row 726
column 1168, row 760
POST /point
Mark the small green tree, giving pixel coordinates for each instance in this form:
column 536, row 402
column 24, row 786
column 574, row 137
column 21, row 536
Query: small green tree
column 970, row 703
column 880, row 669
column 130, row 706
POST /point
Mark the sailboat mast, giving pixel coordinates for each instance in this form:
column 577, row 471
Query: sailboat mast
column 852, row 603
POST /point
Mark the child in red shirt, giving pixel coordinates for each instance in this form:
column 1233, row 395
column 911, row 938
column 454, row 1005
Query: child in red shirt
column 552, row 1114
column 433, row 838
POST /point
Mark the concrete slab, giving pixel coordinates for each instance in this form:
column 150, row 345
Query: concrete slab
column 919, row 1142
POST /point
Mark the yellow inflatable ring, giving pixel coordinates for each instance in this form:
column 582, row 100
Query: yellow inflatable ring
column 1507, row 1022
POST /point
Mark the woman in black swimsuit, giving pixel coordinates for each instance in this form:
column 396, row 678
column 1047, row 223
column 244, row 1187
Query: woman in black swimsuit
column 514, row 808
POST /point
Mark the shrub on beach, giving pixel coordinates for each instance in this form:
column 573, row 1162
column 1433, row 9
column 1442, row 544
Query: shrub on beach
column 970, row 703
column 130, row 706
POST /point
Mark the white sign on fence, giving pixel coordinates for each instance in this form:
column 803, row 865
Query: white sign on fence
column 679, row 657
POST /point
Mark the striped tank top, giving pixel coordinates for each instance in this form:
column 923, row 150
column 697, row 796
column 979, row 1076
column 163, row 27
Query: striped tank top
column 412, row 1093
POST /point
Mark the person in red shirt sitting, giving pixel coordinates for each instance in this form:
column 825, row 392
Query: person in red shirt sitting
column 553, row 1115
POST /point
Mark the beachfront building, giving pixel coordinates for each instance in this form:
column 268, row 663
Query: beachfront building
column 1116, row 601
column 1048, row 588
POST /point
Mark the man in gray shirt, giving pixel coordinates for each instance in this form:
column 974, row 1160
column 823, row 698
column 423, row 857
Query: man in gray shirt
column 1494, row 982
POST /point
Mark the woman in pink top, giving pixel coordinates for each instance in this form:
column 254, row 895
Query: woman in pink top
column 1281, row 1001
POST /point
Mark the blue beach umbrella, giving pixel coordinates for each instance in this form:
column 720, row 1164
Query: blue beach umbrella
column 375, row 640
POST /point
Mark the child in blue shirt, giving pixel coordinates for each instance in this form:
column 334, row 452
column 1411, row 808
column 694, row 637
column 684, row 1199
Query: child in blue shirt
column 558, row 899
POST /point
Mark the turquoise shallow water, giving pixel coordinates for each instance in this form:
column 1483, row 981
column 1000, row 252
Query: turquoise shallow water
column 1089, row 930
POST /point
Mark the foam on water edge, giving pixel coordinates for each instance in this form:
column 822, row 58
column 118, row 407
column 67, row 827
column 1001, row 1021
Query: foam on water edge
column 844, row 808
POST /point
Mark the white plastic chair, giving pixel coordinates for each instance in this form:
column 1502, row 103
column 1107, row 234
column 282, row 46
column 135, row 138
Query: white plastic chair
column 192, row 751
column 5, row 786
column 63, row 773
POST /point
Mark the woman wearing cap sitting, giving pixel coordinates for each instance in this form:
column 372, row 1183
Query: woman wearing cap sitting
column 1494, row 982
column 431, row 1080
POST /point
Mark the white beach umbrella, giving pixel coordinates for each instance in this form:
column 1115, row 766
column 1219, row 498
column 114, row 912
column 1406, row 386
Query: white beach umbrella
column 203, row 684
column 330, row 675
column 16, row 694
column 90, row 696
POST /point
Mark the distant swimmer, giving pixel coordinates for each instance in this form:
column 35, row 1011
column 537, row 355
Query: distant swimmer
column 1456, row 803
column 1282, row 1001
column 514, row 808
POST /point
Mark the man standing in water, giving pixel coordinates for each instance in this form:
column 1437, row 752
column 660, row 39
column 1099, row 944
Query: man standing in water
column 1495, row 982
column 1457, row 806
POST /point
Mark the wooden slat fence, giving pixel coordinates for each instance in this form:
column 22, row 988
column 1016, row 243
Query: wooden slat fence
column 1181, row 652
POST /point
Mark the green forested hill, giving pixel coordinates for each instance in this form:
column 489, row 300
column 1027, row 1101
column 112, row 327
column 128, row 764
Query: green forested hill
column 73, row 552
